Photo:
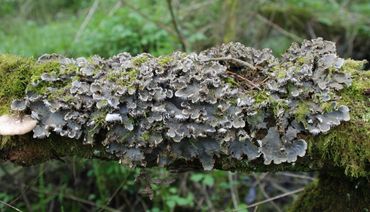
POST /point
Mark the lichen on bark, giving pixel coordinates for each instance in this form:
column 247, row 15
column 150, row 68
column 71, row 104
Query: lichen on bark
column 230, row 101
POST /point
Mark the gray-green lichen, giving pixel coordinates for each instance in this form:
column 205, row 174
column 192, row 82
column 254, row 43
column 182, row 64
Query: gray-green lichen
column 186, row 107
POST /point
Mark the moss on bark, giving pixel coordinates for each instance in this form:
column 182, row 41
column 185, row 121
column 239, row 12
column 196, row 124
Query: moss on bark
column 335, row 192
column 348, row 145
column 16, row 73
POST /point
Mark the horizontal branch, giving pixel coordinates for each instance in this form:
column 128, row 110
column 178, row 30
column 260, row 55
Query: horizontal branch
column 307, row 110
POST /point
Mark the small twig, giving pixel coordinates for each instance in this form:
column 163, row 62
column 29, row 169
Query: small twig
column 25, row 198
column 263, row 81
column 183, row 181
column 28, row 185
column 241, row 62
column 114, row 9
column 259, row 178
column 233, row 191
column 77, row 199
column 113, row 195
column 86, row 21
column 250, row 84
column 189, row 11
column 296, row 175
column 206, row 196
column 311, row 31
column 279, row 28
column 10, row 206
column 262, row 188
column 275, row 197
column 159, row 24
column 175, row 25
column 126, row 203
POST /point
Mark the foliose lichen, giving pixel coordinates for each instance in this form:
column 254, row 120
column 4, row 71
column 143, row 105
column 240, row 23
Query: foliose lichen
column 195, row 105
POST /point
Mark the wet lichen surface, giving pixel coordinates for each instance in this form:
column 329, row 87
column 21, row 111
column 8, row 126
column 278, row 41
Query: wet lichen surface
column 230, row 100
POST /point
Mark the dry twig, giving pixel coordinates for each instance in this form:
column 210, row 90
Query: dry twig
column 249, row 83
column 10, row 206
column 233, row 190
column 175, row 25
column 276, row 197
column 86, row 21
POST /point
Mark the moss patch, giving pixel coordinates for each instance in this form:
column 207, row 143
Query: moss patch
column 334, row 193
column 231, row 81
column 5, row 141
column 52, row 67
column 124, row 78
column 138, row 60
column 301, row 111
column 15, row 76
column 261, row 96
column 348, row 145
column 165, row 60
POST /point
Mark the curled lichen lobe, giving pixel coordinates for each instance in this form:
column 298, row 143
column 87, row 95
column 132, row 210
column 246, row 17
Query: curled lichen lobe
column 195, row 105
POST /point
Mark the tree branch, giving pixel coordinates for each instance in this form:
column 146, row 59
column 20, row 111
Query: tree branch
column 182, row 113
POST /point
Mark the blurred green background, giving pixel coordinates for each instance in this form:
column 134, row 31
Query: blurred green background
column 106, row 27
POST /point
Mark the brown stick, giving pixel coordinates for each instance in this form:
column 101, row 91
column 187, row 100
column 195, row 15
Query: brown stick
column 250, row 84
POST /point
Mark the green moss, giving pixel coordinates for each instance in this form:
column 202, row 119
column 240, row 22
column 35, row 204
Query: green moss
column 281, row 74
column 231, row 81
column 5, row 141
column 260, row 96
column 279, row 71
column 233, row 101
column 15, row 75
column 302, row 60
column 138, row 60
column 327, row 107
column 301, row 111
column 347, row 145
column 334, row 192
column 145, row 136
column 352, row 66
column 69, row 69
column 52, row 67
column 277, row 105
column 99, row 117
column 123, row 78
column 165, row 60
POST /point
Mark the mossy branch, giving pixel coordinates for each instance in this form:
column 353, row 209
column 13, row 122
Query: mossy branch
column 345, row 148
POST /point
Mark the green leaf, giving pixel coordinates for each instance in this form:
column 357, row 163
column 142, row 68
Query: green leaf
column 208, row 180
column 196, row 177
column 170, row 203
